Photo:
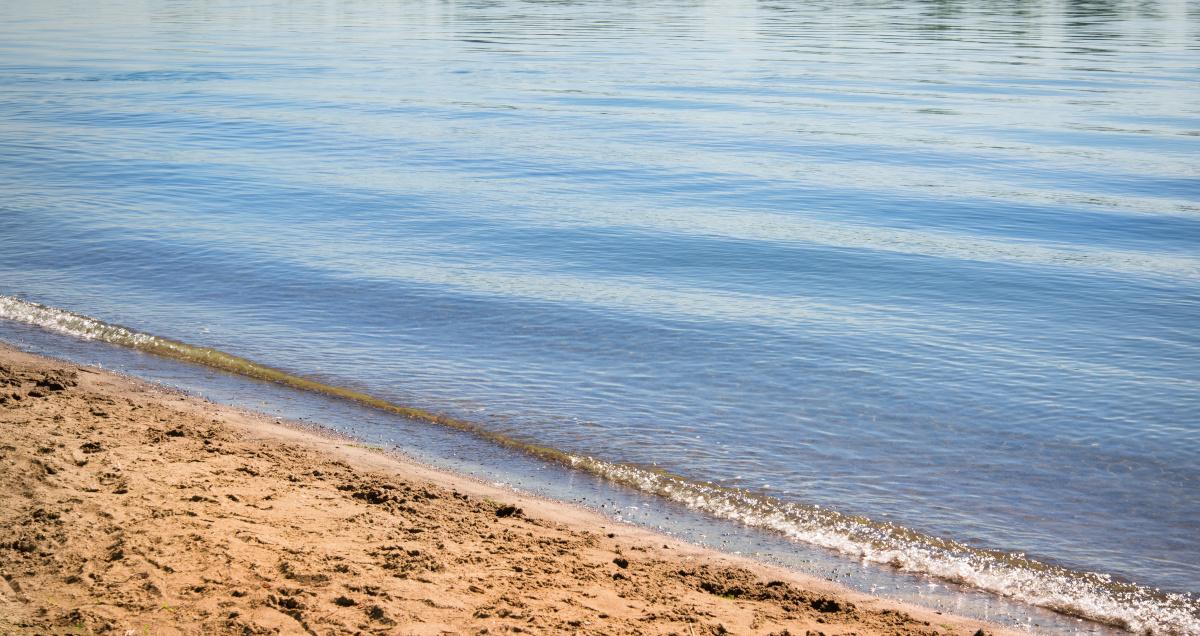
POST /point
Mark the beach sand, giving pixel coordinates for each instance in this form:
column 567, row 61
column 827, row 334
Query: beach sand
column 129, row 508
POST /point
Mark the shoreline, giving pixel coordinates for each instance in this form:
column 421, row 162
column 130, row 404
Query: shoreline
column 1033, row 594
column 131, row 506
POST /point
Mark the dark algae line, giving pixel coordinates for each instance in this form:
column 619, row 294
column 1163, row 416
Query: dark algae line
column 1083, row 594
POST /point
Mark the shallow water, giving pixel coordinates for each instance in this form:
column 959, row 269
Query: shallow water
column 465, row 453
column 935, row 265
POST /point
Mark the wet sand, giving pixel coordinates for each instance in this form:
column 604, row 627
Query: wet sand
column 129, row 508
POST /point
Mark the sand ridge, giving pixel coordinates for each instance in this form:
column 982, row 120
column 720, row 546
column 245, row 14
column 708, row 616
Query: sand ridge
column 127, row 508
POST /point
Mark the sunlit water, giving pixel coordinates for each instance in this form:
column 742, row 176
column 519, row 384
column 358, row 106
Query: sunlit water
column 935, row 264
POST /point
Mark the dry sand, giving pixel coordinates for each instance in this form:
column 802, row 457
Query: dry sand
column 128, row 508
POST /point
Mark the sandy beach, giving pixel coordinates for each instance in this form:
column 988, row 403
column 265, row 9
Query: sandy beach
column 129, row 508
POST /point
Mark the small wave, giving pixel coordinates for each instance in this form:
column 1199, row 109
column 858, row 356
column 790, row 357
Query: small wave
column 155, row 76
column 1088, row 595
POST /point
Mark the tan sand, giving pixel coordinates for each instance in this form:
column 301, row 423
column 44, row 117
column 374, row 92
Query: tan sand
column 128, row 508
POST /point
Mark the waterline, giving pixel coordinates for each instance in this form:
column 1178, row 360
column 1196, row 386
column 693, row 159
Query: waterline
column 1092, row 596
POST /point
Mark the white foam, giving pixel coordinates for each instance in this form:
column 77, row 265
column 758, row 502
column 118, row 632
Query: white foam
column 65, row 322
column 1084, row 594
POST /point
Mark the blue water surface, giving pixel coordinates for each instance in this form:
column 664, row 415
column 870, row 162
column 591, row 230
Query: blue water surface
column 936, row 263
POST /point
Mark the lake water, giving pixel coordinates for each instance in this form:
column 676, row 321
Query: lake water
column 916, row 282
